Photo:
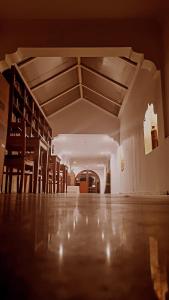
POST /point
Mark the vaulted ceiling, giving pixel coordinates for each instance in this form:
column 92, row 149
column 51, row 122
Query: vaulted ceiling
column 57, row 82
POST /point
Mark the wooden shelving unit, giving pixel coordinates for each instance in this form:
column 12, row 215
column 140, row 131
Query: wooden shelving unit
column 23, row 106
column 4, row 98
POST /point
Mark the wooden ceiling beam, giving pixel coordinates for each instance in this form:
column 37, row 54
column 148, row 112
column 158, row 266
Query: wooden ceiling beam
column 80, row 76
column 101, row 108
column 63, row 107
column 103, row 77
column 128, row 60
column 101, row 95
column 52, row 78
column 59, row 95
column 26, row 62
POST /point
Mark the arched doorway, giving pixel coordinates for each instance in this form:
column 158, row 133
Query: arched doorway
column 88, row 181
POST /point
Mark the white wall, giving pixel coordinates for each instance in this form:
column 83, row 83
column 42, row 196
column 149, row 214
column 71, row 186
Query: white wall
column 143, row 173
column 115, row 173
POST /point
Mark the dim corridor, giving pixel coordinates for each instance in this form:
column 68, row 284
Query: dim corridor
column 88, row 246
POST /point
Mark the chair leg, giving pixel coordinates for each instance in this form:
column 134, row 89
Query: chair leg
column 21, row 181
column 6, row 181
column 17, row 183
column 10, row 179
column 39, row 185
column 1, row 187
column 25, row 182
column 31, row 183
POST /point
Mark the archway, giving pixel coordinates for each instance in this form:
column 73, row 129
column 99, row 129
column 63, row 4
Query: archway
column 88, row 181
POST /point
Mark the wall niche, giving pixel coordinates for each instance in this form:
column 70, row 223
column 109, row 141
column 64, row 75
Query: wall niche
column 150, row 129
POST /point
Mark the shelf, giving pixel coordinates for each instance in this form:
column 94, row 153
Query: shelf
column 23, row 105
column 28, row 107
column 17, row 110
column 18, row 93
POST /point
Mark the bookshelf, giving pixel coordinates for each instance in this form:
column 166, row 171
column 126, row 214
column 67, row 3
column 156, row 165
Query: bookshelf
column 4, row 97
column 24, row 106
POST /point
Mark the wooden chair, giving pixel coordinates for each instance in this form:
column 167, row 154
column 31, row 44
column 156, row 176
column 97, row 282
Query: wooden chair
column 17, row 162
column 50, row 182
column 38, row 152
column 63, row 176
column 58, row 177
column 53, row 174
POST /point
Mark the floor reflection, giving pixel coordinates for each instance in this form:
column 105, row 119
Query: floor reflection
column 158, row 269
column 83, row 248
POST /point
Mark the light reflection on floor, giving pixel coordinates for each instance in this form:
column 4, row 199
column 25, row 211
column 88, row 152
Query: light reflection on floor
column 92, row 247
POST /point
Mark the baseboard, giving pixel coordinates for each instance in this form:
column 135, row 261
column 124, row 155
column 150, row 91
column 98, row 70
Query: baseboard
column 142, row 195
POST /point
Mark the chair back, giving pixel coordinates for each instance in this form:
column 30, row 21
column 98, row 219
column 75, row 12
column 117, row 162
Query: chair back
column 16, row 138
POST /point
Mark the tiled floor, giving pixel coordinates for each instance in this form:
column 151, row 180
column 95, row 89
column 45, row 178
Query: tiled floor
column 79, row 248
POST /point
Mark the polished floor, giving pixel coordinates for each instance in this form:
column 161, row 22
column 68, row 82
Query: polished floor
column 84, row 247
